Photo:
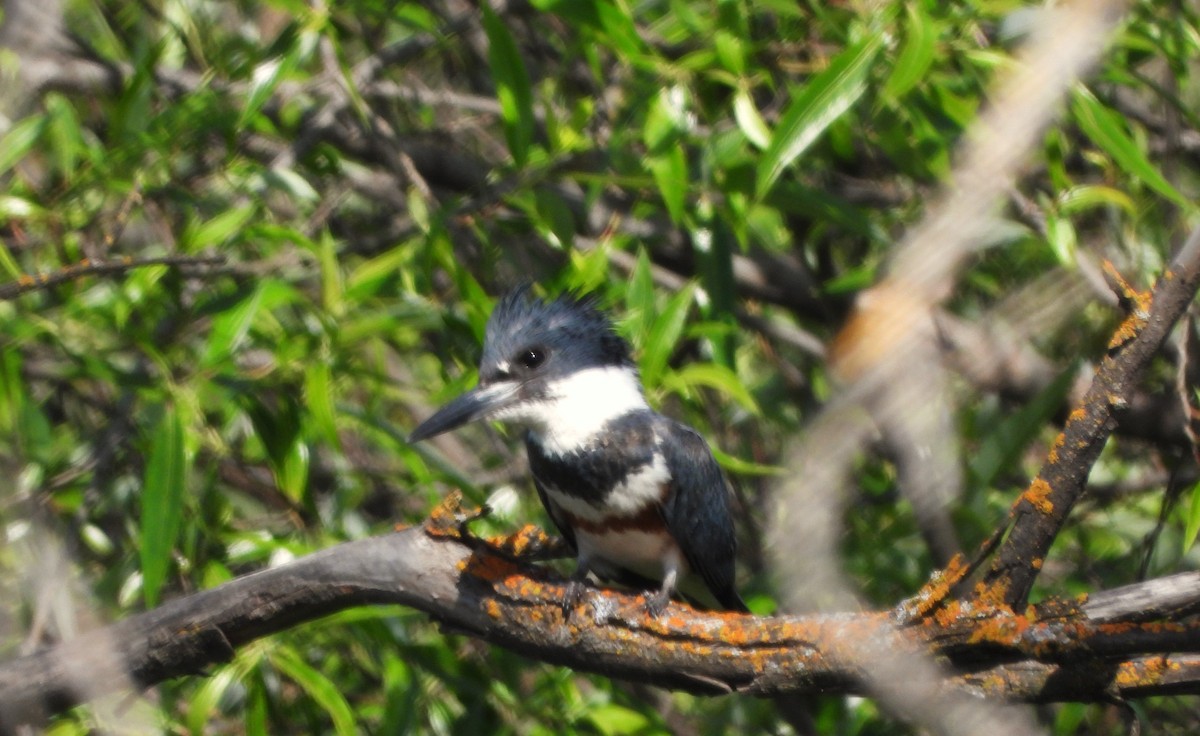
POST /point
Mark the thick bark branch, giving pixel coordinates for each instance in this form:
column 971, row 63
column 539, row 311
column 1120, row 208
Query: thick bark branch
column 1074, row 652
column 1041, row 511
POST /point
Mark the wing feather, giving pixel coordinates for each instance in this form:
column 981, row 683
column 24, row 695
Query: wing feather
column 697, row 512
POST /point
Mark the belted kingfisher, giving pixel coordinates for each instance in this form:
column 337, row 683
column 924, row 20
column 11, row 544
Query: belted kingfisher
column 638, row 496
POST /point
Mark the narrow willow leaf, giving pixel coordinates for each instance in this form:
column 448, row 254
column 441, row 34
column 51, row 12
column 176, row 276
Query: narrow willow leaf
column 639, row 298
column 221, row 227
column 319, row 687
column 824, row 98
column 665, row 334
column 331, row 275
column 739, row 466
column 670, row 174
column 263, row 81
column 512, row 86
column 318, row 396
column 1192, row 526
column 749, row 120
column 19, row 140
column 714, row 376
column 162, row 503
column 1107, row 130
column 1090, row 196
column 916, row 54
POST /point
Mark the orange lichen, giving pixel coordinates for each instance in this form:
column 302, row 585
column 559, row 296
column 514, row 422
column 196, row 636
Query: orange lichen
column 1005, row 630
column 1144, row 673
column 991, row 596
column 937, row 589
column 447, row 517
column 1036, row 563
column 528, row 541
column 1138, row 303
column 1053, row 456
column 1076, row 415
column 1038, row 496
column 492, row 608
column 491, row 568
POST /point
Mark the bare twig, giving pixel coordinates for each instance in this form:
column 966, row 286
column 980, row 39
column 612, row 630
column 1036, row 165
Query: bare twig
column 84, row 268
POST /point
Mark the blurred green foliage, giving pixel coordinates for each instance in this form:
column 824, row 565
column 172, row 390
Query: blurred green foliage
column 723, row 174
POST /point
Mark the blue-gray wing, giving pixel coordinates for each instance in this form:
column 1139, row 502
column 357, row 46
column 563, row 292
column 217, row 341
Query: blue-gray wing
column 697, row 512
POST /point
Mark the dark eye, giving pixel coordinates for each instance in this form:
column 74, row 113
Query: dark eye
column 531, row 358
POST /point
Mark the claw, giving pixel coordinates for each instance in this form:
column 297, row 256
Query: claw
column 575, row 591
column 656, row 603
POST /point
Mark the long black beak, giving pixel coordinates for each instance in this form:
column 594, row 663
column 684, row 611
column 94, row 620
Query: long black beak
column 477, row 403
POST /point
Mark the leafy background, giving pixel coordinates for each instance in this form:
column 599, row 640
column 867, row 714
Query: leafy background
column 725, row 175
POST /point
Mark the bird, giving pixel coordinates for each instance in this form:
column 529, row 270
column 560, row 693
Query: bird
column 638, row 496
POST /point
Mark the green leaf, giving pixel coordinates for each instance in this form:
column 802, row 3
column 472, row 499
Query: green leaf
column 19, row 139
column 916, row 54
column 1004, row 442
column 665, row 334
column 64, row 135
column 749, row 121
column 710, row 375
column 670, row 175
column 738, row 466
column 1192, row 527
column 824, row 98
column 611, row 20
column 1091, row 196
column 612, row 719
column 231, row 326
column 220, row 228
column 318, row 395
column 1060, row 234
column 639, row 300
column 512, row 86
column 1106, row 129
column 331, row 275
column 319, row 687
column 162, row 502
column 292, row 473
column 368, row 276
column 263, row 81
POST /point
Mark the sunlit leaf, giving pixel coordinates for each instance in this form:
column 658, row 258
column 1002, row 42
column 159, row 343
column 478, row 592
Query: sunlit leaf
column 318, row 396
column 512, row 85
column 1107, row 130
column 916, row 55
column 749, row 120
column 710, row 375
column 824, row 98
column 738, row 466
column 670, row 173
column 665, row 333
column 220, row 228
column 19, row 139
column 327, row 694
column 1192, row 525
column 162, row 502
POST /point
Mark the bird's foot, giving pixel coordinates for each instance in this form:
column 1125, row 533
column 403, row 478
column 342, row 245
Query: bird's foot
column 656, row 603
column 573, row 596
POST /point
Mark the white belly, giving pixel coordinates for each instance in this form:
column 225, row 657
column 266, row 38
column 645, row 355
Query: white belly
column 647, row 553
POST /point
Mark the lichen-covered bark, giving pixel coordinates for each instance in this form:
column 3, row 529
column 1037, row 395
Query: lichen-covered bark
column 1077, row 650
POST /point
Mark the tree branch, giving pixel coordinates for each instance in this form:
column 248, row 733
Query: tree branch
column 1042, row 509
column 1077, row 652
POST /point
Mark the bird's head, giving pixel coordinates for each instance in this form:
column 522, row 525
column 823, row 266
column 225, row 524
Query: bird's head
column 535, row 355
